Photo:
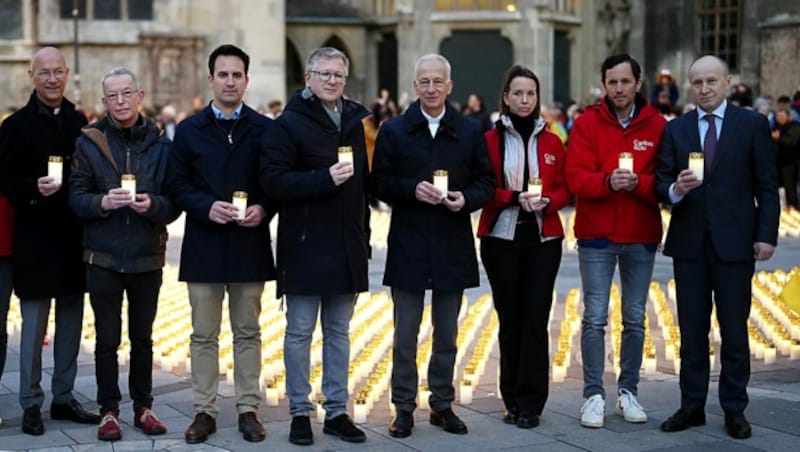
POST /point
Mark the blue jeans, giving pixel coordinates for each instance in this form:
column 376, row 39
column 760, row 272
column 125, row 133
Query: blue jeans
column 597, row 266
column 301, row 318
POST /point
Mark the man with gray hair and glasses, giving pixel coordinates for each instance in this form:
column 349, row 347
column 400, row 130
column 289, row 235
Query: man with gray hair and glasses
column 117, row 187
column 47, row 238
column 323, row 234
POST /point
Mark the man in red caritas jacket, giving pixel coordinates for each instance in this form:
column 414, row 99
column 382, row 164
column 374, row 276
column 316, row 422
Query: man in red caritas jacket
column 617, row 220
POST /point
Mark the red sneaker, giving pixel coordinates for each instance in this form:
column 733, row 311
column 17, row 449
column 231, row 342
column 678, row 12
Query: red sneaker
column 146, row 421
column 109, row 429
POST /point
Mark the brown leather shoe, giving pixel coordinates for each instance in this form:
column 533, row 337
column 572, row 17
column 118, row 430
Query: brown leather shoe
column 202, row 426
column 251, row 427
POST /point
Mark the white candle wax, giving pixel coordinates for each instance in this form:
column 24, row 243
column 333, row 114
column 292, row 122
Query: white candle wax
column 272, row 395
column 346, row 154
column 360, row 411
column 128, row 182
column 795, row 351
column 770, row 354
column 55, row 168
column 320, row 411
column 240, row 202
column 535, row 188
column 626, row 161
column 559, row 373
column 440, row 182
column 465, row 392
column 696, row 164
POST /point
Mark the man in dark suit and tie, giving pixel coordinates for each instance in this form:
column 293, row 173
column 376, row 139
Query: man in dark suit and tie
column 721, row 224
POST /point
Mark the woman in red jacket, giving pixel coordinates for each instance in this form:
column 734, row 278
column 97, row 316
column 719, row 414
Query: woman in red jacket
column 521, row 237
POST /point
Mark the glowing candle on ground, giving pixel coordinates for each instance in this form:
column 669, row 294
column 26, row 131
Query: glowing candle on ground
column 535, row 188
column 440, row 181
column 345, row 154
column 55, row 168
column 128, row 182
column 240, row 202
column 770, row 354
column 360, row 411
column 272, row 394
column 465, row 391
column 626, row 161
column 320, row 410
column 696, row 164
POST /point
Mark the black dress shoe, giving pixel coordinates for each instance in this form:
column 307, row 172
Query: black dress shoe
column 448, row 421
column 343, row 427
column 251, row 427
column 73, row 411
column 683, row 419
column 32, row 421
column 300, row 432
column 737, row 426
column 527, row 420
column 401, row 424
column 202, row 426
column 510, row 417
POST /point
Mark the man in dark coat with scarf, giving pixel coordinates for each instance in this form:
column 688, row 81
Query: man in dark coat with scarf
column 214, row 155
column 323, row 234
column 431, row 245
column 47, row 242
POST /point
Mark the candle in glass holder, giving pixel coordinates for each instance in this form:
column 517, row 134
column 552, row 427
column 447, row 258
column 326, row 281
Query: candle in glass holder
column 440, row 181
column 696, row 164
column 129, row 183
column 240, row 202
column 320, row 410
column 465, row 390
column 346, row 154
column 626, row 161
column 55, row 168
column 360, row 411
column 535, row 188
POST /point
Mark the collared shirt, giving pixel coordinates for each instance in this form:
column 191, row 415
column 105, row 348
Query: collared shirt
column 625, row 122
column 702, row 124
column 433, row 122
column 219, row 115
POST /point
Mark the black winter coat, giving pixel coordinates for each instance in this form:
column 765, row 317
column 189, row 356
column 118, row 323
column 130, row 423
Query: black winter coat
column 206, row 166
column 47, row 234
column 122, row 240
column 431, row 247
column 323, row 230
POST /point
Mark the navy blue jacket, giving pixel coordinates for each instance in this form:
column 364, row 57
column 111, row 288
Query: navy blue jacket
column 122, row 240
column 323, row 231
column 204, row 167
column 431, row 247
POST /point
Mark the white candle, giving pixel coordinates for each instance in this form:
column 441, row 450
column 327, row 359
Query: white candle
column 55, row 168
column 559, row 373
column 360, row 411
column 320, row 411
column 650, row 365
column 696, row 164
column 795, row 352
column 272, row 394
column 770, row 354
column 465, row 392
column 676, row 365
column 129, row 183
column 346, row 154
column 535, row 188
column 440, row 181
column 240, row 202
column 626, row 161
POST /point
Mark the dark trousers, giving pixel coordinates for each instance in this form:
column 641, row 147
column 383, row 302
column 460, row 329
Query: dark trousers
column 106, row 288
column 522, row 274
column 695, row 281
column 788, row 180
column 5, row 299
column 408, row 307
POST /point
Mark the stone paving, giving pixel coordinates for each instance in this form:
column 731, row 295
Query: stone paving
column 774, row 408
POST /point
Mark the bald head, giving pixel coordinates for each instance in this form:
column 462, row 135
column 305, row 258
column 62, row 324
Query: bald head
column 709, row 78
column 49, row 72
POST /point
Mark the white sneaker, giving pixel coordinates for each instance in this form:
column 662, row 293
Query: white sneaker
column 593, row 411
column 628, row 407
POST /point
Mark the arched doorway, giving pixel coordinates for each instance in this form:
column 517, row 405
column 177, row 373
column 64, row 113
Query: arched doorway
column 294, row 70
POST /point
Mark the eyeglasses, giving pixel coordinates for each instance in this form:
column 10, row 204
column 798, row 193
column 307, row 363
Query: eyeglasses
column 437, row 83
column 326, row 76
column 45, row 74
column 125, row 95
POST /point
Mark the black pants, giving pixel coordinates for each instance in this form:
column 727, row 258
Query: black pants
column 522, row 274
column 105, row 291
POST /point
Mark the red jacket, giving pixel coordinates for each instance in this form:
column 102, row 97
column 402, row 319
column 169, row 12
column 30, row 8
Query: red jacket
column 551, row 171
column 6, row 227
column 595, row 142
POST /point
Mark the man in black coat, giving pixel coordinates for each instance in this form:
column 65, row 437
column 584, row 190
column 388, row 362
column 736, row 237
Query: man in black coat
column 323, row 234
column 225, row 248
column 125, row 241
column 47, row 242
column 431, row 244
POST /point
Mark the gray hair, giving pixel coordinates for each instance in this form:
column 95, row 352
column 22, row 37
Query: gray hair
column 327, row 53
column 433, row 57
column 119, row 71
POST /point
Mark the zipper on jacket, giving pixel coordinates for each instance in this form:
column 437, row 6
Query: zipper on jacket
column 233, row 126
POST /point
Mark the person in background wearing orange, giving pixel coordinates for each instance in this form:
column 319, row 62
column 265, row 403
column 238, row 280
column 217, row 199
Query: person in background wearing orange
column 521, row 235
